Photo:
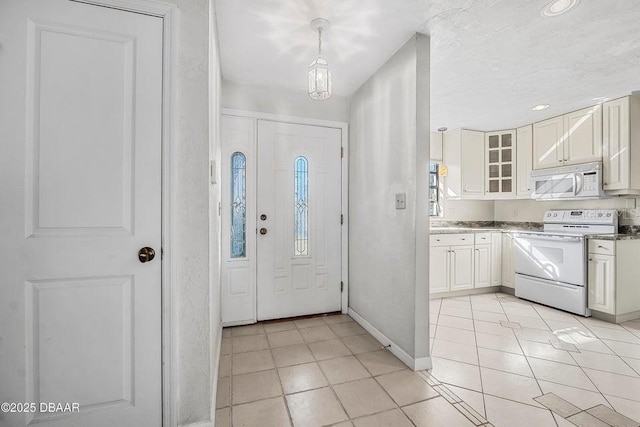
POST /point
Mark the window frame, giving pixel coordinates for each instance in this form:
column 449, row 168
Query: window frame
column 433, row 171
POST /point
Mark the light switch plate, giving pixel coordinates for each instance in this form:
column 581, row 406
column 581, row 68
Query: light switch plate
column 212, row 171
column 400, row 201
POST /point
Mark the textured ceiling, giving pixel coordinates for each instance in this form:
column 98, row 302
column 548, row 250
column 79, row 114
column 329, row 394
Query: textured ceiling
column 492, row 60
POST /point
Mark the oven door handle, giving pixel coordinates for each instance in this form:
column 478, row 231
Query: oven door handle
column 554, row 238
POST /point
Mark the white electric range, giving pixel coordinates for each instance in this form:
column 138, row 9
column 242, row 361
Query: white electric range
column 551, row 265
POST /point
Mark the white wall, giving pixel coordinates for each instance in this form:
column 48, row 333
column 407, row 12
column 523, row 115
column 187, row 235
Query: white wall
column 192, row 139
column 215, row 91
column 468, row 210
column 530, row 210
column 282, row 101
column 388, row 138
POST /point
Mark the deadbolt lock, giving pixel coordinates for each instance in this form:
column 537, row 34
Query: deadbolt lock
column 263, row 217
column 263, row 231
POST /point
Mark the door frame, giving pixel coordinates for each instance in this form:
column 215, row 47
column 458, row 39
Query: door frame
column 344, row 127
column 168, row 13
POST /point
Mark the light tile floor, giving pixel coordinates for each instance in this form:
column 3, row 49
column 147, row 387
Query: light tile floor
column 495, row 358
column 325, row 371
column 521, row 363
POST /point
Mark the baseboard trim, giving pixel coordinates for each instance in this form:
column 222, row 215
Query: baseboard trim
column 418, row 364
column 198, row 424
column 475, row 291
column 214, row 383
column 507, row 290
column 612, row 318
column 238, row 323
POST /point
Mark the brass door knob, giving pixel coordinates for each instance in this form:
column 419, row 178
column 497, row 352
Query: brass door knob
column 263, row 231
column 146, row 254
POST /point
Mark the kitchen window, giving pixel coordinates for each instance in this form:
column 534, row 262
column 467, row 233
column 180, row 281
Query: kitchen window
column 434, row 190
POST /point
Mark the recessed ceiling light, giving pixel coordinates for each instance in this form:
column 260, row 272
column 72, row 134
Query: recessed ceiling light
column 540, row 107
column 558, row 7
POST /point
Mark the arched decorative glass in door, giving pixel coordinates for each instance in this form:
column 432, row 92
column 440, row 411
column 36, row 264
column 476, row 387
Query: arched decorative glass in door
column 301, row 206
column 238, row 205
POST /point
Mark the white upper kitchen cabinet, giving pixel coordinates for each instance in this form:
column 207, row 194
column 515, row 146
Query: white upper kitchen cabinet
column 464, row 154
column 435, row 146
column 569, row 139
column 500, row 178
column 583, row 140
column 524, row 162
column 547, row 143
column 621, row 145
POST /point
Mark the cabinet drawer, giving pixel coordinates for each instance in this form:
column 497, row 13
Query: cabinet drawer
column 603, row 247
column 451, row 239
column 483, row 238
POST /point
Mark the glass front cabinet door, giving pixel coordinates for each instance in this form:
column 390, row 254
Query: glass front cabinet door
column 501, row 164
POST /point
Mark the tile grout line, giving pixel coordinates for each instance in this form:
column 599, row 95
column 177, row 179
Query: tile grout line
column 475, row 337
column 619, row 357
column 317, row 361
column 284, row 396
column 581, row 368
column 533, row 306
column 531, row 368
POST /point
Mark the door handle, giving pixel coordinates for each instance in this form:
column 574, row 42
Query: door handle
column 263, row 231
column 146, row 254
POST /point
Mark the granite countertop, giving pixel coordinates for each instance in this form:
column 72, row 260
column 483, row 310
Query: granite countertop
column 462, row 230
column 618, row 236
column 459, row 227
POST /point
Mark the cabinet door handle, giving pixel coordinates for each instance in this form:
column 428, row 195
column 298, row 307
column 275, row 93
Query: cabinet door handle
column 602, row 247
column 590, row 259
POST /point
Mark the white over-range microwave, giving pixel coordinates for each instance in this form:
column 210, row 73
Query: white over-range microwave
column 582, row 181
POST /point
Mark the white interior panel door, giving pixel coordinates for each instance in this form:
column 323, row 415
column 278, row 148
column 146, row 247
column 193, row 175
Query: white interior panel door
column 80, row 167
column 299, row 239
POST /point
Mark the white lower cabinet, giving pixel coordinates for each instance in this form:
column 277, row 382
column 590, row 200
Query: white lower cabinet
column 496, row 259
column 613, row 278
column 602, row 277
column 461, row 267
column 439, row 269
column 482, row 266
column 508, row 267
column 459, row 262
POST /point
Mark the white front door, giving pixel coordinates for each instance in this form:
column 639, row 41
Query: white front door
column 80, row 167
column 298, row 220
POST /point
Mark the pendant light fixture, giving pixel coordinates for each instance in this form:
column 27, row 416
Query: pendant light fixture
column 442, row 167
column 319, row 74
